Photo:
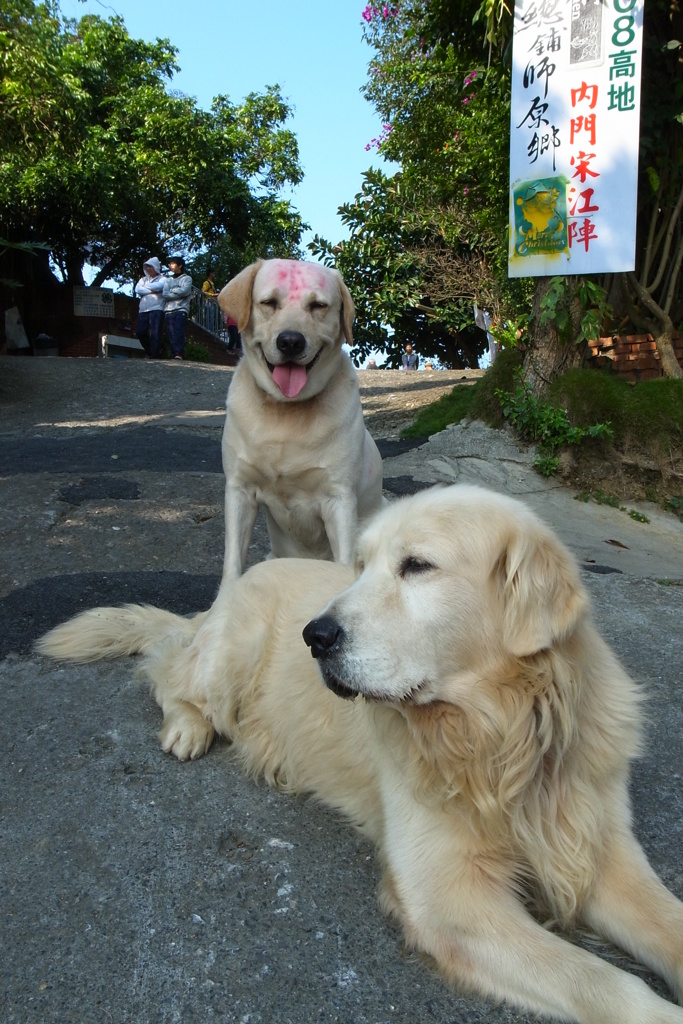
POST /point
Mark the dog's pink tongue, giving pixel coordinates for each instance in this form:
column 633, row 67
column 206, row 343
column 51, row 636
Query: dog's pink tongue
column 290, row 378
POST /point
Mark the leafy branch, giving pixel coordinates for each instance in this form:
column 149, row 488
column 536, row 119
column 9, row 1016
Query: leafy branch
column 576, row 308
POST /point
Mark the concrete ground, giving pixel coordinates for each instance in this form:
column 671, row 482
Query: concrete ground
column 137, row 889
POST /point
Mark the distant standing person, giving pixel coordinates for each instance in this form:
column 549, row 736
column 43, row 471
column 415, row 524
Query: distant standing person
column 409, row 358
column 234, row 340
column 150, row 322
column 209, row 286
column 177, row 294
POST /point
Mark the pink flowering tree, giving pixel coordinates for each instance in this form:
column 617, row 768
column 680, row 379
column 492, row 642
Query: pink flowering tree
column 444, row 108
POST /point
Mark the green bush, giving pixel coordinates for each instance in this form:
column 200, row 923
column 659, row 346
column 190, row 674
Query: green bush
column 195, row 352
column 646, row 417
column 545, row 424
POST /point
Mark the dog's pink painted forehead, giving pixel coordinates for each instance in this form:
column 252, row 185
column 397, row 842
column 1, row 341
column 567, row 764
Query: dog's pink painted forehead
column 294, row 279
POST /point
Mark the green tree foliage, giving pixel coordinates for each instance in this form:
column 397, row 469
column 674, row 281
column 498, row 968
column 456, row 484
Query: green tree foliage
column 274, row 233
column 412, row 276
column 652, row 296
column 440, row 81
column 445, row 110
column 430, row 240
column 104, row 162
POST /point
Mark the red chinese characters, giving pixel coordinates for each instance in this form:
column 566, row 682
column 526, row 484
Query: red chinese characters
column 581, row 202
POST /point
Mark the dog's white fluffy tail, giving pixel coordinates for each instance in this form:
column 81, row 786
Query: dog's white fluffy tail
column 114, row 633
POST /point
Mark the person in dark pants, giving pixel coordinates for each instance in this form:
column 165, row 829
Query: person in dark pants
column 177, row 294
column 150, row 320
column 234, row 340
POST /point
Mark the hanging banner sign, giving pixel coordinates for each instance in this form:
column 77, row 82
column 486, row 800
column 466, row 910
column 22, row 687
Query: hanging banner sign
column 574, row 134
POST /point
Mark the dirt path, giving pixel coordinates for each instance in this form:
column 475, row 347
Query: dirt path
column 56, row 395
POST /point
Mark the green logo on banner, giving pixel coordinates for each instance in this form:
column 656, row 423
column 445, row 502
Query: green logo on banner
column 540, row 216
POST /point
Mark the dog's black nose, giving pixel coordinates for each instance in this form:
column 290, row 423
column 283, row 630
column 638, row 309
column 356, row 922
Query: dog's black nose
column 291, row 343
column 322, row 635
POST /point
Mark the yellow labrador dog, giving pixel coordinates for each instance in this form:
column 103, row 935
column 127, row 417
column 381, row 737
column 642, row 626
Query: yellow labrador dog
column 484, row 745
column 294, row 439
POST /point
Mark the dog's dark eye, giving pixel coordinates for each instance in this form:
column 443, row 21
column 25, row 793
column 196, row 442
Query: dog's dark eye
column 317, row 305
column 270, row 303
column 411, row 566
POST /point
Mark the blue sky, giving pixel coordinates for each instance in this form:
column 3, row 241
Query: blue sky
column 314, row 51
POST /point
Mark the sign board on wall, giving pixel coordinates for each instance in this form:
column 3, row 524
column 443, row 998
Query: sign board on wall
column 93, row 301
column 574, row 136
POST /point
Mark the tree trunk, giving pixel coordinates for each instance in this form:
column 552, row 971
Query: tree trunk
column 664, row 343
column 659, row 324
column 548, row 355
column 73, row 264
column 107, row 271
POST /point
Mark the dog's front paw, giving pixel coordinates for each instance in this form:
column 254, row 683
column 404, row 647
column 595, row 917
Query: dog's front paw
column 388, row 898
column 185, row 732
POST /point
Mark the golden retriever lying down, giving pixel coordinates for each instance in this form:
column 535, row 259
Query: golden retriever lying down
column 485, row 745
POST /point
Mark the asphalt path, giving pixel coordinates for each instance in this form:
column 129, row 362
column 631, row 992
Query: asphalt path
column 101, row 467
column 142, row 448
column 132, row 449
column 137, row 889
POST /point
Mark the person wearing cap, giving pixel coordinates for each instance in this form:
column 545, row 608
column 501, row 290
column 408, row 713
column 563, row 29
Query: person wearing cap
column 150, row 320
column 177, row 294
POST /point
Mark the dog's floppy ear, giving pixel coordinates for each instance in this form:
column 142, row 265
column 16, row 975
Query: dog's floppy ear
column 543, row 596
column 235, row 298
column 348, row 310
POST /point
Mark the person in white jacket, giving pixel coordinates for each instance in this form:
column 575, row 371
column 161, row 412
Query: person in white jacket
column 150, row 321
column 177, row 295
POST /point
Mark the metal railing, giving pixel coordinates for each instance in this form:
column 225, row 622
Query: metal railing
column 206, row 312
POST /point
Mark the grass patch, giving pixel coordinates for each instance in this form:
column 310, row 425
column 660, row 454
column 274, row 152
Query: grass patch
column 477, row 401
column 643, row 416
column 500, row 377
column 599, row 497
column 675, row 505
column 547, row 425
column 450, row 408
column 639, row 517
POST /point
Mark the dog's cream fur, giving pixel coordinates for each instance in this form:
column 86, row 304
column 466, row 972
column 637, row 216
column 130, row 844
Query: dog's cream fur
column 486, row 751
column 305, row 454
